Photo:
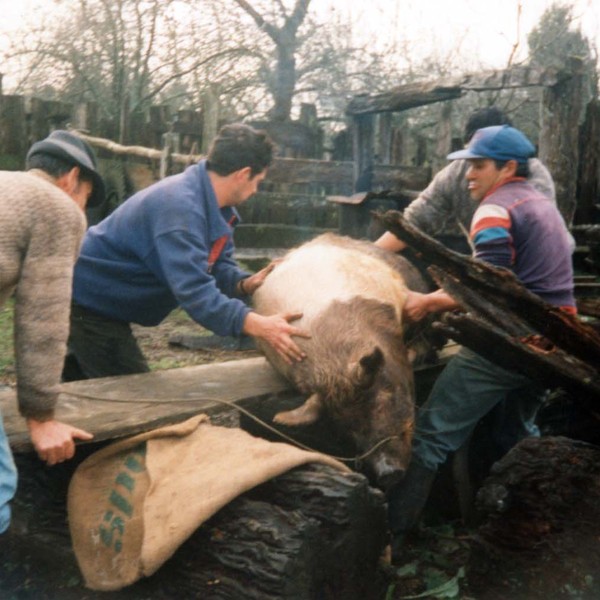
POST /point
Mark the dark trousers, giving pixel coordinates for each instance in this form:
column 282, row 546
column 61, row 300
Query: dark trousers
column 100, row 347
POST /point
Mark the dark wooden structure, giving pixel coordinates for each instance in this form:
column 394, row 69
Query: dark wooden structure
column 559, row 136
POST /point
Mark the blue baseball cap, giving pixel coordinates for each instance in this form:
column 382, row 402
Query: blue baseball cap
column 500, row 142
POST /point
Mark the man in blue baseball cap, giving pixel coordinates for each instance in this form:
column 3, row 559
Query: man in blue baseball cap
column 515, row 227
column 444, row 208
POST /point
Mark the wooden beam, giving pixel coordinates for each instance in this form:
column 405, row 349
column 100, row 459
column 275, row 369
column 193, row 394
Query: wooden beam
column 419, row 94
column 506, row 323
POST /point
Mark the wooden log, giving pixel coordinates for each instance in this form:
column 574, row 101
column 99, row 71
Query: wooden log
column 551, row 366
column 313, row 532
column 306, row 534
column 249, row 550
column 333, row 176
column 282, row 541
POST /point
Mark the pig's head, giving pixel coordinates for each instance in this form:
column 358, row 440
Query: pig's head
column 377, row 411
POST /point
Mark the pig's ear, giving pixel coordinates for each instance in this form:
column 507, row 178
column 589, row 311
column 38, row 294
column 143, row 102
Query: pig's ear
column 363, row 372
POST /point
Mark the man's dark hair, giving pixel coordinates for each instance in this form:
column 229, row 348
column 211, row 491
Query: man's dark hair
column 60, row 152
column 484, row 117
column 522, row 168
column 54, row 166
column 238, row 146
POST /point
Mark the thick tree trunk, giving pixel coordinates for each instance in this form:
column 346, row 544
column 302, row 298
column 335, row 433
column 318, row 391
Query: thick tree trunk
column 540, row 512
column 559, row 137
column 285, row 81
column 306, row 534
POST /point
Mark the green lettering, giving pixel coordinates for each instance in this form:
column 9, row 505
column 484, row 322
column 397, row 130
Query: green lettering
column 121, row 503
column 126, row 480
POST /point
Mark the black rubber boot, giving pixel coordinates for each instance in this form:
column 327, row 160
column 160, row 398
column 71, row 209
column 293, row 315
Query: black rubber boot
column 406, row 502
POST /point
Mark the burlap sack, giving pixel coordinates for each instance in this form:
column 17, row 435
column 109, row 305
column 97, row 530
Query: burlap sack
column 133, row 503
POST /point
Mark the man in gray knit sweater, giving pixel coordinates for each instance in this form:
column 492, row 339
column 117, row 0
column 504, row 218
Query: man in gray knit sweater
column 41, row 226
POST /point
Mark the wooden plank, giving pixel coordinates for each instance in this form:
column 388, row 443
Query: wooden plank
column 113, row 407
column 479, row 282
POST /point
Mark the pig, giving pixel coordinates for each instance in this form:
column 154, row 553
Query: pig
column 357, row 368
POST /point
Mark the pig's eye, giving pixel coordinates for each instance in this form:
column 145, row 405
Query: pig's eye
column 384, row 397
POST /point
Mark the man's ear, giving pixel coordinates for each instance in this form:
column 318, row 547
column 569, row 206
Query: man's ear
column 510, row 168
column 244, row 174
column 69, row 180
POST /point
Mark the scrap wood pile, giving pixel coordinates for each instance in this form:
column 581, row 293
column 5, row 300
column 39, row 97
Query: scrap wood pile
column 505, row 322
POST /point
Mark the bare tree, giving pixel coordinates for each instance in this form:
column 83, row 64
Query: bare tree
column 285, row 38
column 121, row 54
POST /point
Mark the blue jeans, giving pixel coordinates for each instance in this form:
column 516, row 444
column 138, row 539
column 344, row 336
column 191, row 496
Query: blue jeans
column 469, row 388
column 8, row 479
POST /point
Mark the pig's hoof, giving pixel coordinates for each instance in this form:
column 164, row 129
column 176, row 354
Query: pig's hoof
column 287, row 418
column 303, row 415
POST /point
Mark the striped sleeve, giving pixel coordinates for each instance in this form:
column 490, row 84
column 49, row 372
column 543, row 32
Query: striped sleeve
column 491, row 236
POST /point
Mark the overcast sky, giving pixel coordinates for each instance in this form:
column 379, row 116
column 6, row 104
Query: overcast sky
column 485, row 29
column 481, row 29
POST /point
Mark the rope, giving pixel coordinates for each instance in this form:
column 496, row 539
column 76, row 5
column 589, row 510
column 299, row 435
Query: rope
column 286, row 437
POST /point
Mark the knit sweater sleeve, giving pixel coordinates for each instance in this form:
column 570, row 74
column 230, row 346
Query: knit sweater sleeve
column 540, row 179
column 441, row 200
column 42, row 300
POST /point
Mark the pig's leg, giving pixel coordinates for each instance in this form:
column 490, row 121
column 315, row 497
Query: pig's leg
column 303, row 415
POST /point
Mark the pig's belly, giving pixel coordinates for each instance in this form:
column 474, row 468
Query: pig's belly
column 310, row 278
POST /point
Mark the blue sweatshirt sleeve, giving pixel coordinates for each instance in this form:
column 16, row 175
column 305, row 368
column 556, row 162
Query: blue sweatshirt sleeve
column 227, row 272
column 182, row 260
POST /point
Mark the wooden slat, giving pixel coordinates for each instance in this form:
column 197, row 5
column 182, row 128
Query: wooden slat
column 115, row 407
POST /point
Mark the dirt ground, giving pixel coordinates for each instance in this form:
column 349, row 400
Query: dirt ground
column 154, row 342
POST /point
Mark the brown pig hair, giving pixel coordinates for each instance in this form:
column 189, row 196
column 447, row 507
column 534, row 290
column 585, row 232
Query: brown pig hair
column 380, row 329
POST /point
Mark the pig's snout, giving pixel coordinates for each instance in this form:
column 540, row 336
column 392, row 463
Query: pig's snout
column 388, row 473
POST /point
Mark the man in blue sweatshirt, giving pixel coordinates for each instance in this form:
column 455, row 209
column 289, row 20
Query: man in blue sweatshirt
column 515, row 227
column 171, row 245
